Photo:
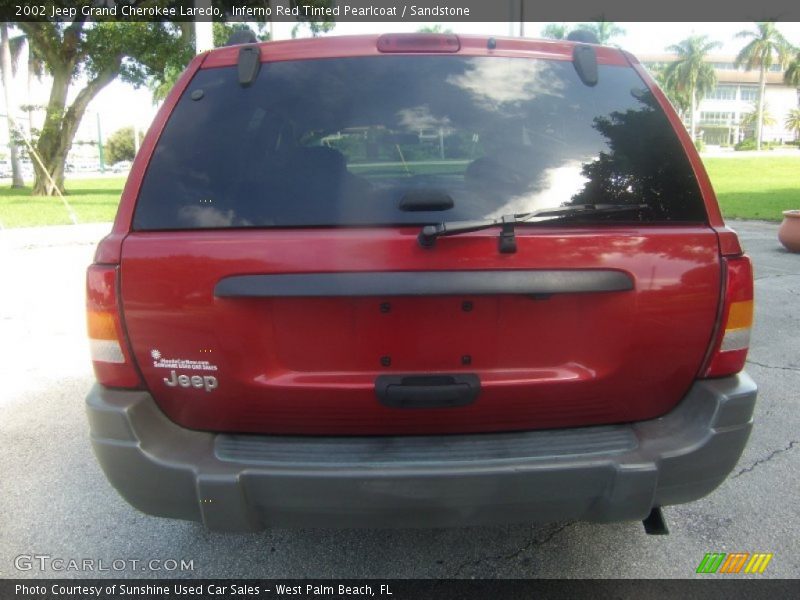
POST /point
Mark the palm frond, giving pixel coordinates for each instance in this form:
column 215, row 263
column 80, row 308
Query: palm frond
column 749, row 119
column 16, row 44
column 792, row 121
column 792, row 74
column 747, row 56
column 767, row 45
column 690, row 71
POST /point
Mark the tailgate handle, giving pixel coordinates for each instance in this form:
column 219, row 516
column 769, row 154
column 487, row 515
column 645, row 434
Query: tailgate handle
column 427, row 391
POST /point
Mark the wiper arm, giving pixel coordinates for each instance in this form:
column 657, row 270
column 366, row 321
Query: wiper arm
column 427, row 237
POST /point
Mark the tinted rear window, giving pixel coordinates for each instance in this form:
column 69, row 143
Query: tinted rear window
column 340, row 142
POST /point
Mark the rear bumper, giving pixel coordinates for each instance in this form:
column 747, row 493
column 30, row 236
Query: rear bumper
column 246, row 482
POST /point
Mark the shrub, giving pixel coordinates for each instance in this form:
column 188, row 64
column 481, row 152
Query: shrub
column 746, row 144
column 119, row 145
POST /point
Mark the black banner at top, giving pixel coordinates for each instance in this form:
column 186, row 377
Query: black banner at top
column 399, row 10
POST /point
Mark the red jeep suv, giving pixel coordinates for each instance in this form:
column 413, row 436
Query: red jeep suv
column 418, row 280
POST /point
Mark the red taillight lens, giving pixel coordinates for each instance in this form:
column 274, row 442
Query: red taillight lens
column 111, row 358
column 419, row 42
column 733, row 338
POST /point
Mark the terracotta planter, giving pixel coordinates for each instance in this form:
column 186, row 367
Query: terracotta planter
column 789, row 231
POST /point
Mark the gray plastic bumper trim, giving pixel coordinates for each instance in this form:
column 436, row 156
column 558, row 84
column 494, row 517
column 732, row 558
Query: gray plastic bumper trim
column 423, row 283
column 245, row 483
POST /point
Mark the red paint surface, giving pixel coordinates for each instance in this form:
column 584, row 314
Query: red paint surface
column 307, row 366
column 366, row 45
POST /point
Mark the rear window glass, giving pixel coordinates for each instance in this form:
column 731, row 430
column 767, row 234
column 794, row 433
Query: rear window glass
column 341, row 142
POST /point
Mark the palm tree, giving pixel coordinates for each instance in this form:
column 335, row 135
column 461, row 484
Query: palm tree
column 604, row 30
column 792, row 74
column 6, row 73
column 438, row 28
column 766, row 45
column 555, row 31
column 792, row 122
column 36, row 68
column 677, row 95
column 11, row 49
column 690, row 73
column 751, row 119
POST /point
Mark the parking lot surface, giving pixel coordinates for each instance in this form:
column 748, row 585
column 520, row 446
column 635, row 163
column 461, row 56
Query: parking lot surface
column 57, row 503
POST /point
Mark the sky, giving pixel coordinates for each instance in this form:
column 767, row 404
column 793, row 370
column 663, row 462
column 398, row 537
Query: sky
column 121, row 105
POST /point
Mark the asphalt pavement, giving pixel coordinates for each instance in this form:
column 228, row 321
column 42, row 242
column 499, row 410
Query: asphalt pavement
column 55, row 502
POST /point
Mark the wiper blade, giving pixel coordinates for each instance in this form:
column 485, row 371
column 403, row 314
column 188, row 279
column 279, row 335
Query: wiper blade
column 579, row 209
column 427, row 237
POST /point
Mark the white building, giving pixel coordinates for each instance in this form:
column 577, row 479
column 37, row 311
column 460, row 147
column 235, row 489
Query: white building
column 719, row 114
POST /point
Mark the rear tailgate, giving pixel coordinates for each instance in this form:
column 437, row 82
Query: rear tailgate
column 257, row 195
column 309, row 365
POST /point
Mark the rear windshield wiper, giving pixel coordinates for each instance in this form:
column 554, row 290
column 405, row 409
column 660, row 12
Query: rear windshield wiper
column 427, row 237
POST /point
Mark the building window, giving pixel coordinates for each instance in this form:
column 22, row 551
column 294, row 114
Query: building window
column 716, row 118
column 749, row 93
column 729, row 66
column 723, row 92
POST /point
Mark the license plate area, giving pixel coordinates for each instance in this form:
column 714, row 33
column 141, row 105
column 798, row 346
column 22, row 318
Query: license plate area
column 400, row 334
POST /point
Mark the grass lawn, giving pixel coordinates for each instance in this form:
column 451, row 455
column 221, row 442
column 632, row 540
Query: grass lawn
column 756, row 187
column 93, row 200
column 749, row 187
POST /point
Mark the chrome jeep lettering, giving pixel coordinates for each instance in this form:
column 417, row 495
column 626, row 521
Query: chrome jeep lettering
column 206, row 382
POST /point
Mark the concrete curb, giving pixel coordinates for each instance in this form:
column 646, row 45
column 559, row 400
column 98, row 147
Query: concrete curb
column 53, row 235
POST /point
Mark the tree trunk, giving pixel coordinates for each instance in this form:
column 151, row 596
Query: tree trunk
column 5, row 67
column 61, row 125
column 762, row 84
column 52, row 147
column 692, row 125
column 28, row 101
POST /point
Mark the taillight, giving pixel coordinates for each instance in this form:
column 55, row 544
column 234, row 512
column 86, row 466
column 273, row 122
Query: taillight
column 418, row 42
column 111, row 358
column 733, row 336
